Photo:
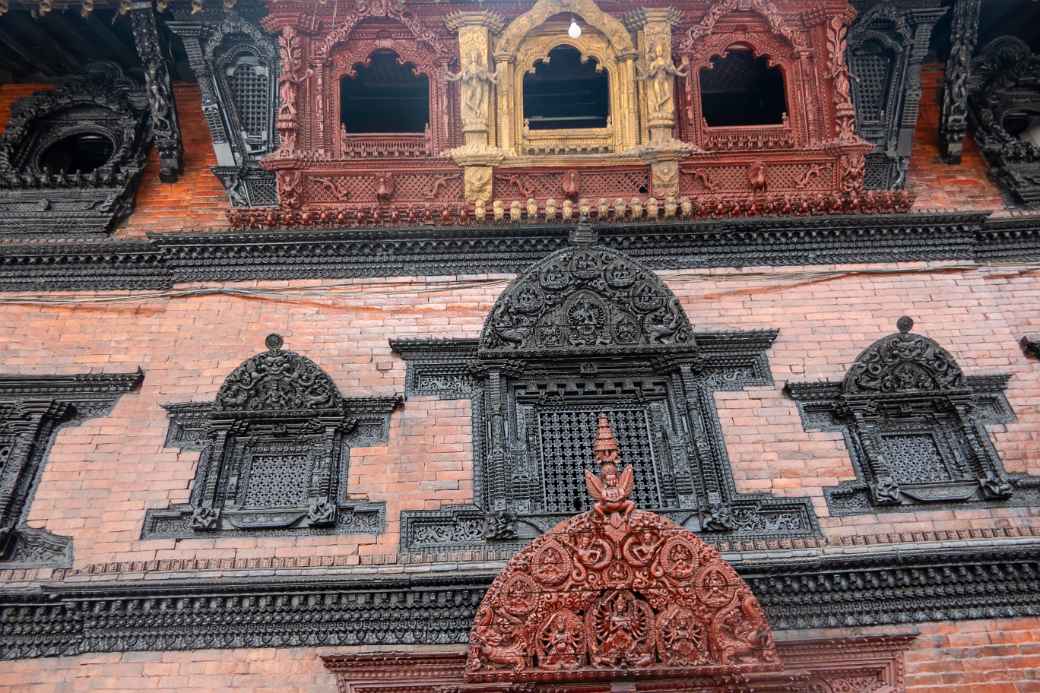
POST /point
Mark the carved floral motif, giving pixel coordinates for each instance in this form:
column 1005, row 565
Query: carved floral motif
column 278, row 380
column 903, row 362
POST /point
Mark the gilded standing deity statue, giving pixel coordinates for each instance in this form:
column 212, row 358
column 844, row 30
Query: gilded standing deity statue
column 660, row 72
column 476, row 89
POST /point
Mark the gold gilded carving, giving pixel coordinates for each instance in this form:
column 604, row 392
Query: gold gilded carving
column 660, row 73
column 664, row 177
column 476, row 88
column 477, row 183
column 537, row 16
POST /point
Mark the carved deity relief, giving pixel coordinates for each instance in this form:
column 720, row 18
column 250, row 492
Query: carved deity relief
column 659, row 73
column 615, row 591
column 476, row 90
column 292, row 74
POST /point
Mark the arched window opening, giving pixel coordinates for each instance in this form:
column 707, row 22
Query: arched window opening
column 565, row 92
column 385, row 97
column 741, row 89
column 1024, row 125
column 81, row 153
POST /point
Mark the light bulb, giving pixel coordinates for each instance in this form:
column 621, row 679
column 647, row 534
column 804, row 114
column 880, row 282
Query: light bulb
column 574, row 31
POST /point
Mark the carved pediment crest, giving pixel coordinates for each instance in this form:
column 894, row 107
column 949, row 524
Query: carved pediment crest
column 586, row 298
column 903, row 362
column 617, row 593
column 278, row 380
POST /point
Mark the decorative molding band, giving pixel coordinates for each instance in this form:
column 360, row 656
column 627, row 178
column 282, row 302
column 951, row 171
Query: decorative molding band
column 315, row 609
column 168, row 259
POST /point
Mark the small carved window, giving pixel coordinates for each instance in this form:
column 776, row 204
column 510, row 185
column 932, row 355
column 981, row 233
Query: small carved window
column 274, row 446
column 385, row 96
column 915, row 426
column 566, row 90
column 741, row 89
column 249, row 83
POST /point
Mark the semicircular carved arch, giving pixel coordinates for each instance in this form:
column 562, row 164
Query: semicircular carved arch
column 601, row 597
column 405, row 54
column 586, row 299
column 539, row 51
column 612, row 28
column 367, row 9
column 706, row 27
column 221, row 40
column 278, row 380
column 903, row 362
column 761, row 45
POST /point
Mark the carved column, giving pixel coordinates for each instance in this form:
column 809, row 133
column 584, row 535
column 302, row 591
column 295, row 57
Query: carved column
column 504, row 63
column 964, row 35
column 479, row 99
column 166, row 130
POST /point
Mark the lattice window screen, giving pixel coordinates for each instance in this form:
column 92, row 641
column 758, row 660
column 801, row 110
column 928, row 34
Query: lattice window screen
column 872, row 69
column 250, row 86
column 277, row 481
column 915, row 458
column 565, row 441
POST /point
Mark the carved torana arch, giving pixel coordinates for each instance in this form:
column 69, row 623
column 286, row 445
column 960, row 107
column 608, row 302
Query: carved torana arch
column 609, row 26
column 903, row 362
column 586, row 298
column 617, row 593
column 278, row 380
column 777, row 24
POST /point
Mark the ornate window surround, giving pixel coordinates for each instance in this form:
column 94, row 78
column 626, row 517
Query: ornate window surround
column 32, row 410
column 904, row 33
column 276, row 406
column 512, row 379
column 36, row 201
column 1002, row 79
column 214, row 44
column 907, row 386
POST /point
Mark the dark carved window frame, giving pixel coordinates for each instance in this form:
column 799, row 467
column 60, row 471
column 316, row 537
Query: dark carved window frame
column 906, row 385
column 213, row 45
column 35, row 201
column 277, row 404
column 1003, row 78
column 904, row 32
column 32, row 410
column 674, row 375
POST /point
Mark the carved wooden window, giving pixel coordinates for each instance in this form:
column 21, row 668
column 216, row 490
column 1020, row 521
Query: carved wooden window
column 742, row 89
column 586, row 331
column 236, row 66
column 385, row 95
column 274, row 452
column 872, row 62
column 248, row 82
column 70, row 159
column 916, row 428
column 32, row 410
column 566, row 90
column 1004, row 96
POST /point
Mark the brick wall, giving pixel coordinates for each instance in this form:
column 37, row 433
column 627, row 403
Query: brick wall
column 939, row 185
column 986, row 656
column 104, row 473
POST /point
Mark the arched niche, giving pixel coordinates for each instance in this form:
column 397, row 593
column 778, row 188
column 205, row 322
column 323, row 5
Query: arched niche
column 529, row 39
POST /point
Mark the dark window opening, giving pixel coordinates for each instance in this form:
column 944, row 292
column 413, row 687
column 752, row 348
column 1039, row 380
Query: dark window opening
column 386, row 96
column 872, row 67
column 1025, row 126
column 81, row 153
column 565, row 92
column 741, row 89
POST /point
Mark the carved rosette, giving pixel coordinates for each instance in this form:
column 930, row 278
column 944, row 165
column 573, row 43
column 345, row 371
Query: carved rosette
column 617, row 593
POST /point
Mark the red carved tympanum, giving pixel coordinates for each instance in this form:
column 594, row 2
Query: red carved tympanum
column 617, row 593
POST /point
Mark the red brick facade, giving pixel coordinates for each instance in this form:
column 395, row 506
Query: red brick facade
column 102, row 475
